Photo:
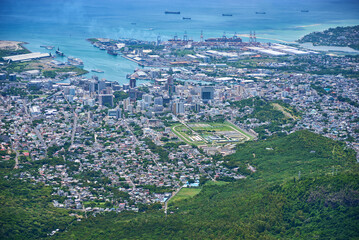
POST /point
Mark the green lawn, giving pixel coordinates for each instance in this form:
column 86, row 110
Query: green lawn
column 185, row 193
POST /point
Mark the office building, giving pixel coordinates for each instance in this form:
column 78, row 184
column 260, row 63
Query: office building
column 106, row 100
column 178, row 108
column 158, row 101
column 116, row 113
column 207, row 93
column 170, row 86
column 133, row 94
column 132, row 82
column 147, row 98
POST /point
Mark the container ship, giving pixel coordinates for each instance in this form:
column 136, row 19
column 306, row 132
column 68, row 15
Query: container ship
column 170, row 12
column 260, row 12
column 186, row 18
column 227, row 15
column 224, row 39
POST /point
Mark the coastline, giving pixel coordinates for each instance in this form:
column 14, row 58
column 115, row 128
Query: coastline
column 324, row 48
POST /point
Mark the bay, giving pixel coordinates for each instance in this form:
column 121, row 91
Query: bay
column 67, row 24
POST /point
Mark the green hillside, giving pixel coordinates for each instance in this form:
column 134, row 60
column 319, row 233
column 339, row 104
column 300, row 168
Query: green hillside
column 26, row 210
column 272, row 203
column 339, row 36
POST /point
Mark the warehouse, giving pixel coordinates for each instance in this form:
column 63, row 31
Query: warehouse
column 26, row 57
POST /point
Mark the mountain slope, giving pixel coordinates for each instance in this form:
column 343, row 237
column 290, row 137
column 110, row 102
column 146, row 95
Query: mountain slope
column 271, row 203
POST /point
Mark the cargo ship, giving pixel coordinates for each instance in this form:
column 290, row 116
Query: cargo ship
column 47, row 47
column 226, row 15
column 112, row 52
column 304, row 11
column 186, row 18
column 260, row 12
column 224, row 39
column 170, row 12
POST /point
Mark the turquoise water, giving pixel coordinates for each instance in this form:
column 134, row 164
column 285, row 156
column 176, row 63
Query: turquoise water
column 67, row 24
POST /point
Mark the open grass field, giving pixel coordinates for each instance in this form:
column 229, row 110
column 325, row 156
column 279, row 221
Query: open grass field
column 185, row 193
column 204, row 133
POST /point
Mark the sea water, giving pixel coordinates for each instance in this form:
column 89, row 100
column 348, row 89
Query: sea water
column 66, row 24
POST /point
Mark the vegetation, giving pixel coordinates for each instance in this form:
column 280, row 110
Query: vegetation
column 339, row 36
column 119, row 96
column 16, row 67
column 26, row 210
column 93, row 40
column 14, row 92
column 10, row 52
column 157, row 149
column 272, row 203
column 275, row 114
column 54, row 73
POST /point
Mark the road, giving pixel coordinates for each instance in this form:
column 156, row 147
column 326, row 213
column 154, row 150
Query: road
column 193, row 131
column 174, row 194
column 38, row 134
column 128, row 179
column 73, row 129
column 75, row 121
column 245, row 131
column 138, row 142
column 16, row 160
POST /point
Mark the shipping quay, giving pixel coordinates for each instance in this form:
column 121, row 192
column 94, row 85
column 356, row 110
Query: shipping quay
column 135, row 60
column 183, row 51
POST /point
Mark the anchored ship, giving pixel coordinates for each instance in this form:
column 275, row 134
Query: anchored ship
column 47, row 47
column 97, row 71
column 170, row 12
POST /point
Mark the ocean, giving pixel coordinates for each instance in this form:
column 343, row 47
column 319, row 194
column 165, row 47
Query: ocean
column 67, row 24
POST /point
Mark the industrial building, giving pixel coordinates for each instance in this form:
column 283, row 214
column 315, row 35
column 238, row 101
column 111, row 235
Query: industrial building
column 27, row 57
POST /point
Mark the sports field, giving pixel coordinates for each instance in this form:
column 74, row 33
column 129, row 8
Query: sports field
column 185, row 193
column 204, row 133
